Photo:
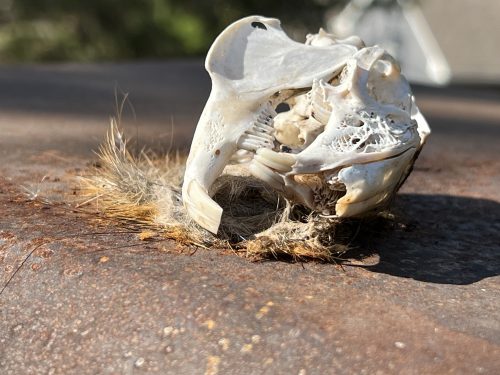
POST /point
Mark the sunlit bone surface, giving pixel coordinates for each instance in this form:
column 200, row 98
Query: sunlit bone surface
column 344, row 147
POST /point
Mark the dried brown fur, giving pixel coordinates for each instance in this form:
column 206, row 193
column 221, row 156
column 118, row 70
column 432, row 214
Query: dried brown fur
column 146, row 189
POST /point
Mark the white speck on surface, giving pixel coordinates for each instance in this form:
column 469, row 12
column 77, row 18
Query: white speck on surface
column 224, row 344
column 139, row 362
column 17, row 328
column 167, row 331
column 85, row 333
column 400, row 345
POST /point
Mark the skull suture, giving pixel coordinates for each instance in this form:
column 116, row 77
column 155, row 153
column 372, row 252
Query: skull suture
column 347, row 143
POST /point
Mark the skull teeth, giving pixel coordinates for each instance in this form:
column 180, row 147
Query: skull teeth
column 260, row 134
column 266, row 174
column 268, row 112
column 251, row 142
column 267, row 166
column 202, row 208
column 279, row 161
column 263, row 128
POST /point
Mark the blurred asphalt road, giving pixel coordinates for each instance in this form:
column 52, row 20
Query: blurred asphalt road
column 94, row 300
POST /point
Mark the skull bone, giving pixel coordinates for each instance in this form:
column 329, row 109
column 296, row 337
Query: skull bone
column 343, row 148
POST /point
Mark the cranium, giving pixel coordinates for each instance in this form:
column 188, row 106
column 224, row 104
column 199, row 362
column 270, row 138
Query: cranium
column 347, row 142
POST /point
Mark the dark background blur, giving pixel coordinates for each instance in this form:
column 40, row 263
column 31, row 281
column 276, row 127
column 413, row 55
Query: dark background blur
column 436, row 41
column 96, row 30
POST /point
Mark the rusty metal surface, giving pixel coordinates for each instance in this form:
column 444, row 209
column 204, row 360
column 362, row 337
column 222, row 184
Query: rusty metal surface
column 94, row 299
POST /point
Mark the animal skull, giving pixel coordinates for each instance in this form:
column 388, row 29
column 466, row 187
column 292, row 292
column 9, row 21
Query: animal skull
column 346, row 144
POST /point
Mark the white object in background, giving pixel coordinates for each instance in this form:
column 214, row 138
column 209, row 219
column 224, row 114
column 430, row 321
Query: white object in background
column 400, row 27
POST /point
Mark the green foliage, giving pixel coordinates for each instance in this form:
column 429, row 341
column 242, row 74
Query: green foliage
column 90, row 30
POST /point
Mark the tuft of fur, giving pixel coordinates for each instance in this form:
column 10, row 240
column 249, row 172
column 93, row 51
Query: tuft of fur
column 146, row 190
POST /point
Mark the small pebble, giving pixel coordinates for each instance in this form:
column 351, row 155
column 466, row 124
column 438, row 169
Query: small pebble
column 167, row 331
column 224, row 344
column 139, row 362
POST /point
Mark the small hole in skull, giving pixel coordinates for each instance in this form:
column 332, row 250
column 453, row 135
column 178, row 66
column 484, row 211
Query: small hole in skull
column 258, row 25
column 355, row 140
column 282, row 107
column 285, row 149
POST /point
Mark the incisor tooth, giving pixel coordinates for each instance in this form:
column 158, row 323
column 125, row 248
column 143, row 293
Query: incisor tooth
column 278, row 157
column 266, row 174
column 281, row 162
column 202, row 208
column 272, row 164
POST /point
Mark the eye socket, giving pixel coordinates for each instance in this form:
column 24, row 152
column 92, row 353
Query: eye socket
column 258, row 25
